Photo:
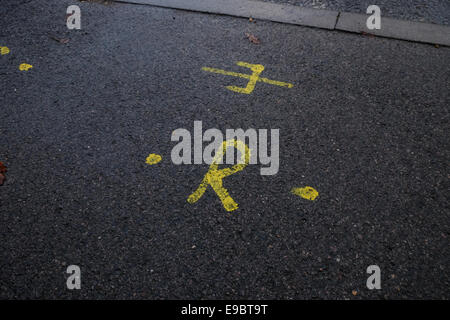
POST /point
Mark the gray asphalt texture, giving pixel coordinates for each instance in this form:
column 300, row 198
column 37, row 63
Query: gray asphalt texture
column 366, row 125
column 432, row 11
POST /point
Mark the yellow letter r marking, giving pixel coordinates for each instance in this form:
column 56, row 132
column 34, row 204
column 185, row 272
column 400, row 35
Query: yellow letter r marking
column 214, row 176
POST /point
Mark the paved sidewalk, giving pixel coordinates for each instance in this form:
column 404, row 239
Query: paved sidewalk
column 321, row 18
column 433, row 11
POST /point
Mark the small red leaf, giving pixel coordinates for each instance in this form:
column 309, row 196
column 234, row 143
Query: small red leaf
column 252, row 38
column 2, row 168
column 2, row 172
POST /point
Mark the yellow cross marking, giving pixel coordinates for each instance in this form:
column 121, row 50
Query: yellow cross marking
column 253, row 78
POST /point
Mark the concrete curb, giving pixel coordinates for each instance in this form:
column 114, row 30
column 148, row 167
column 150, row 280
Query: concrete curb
column 325, row 19
column 256, row 9
column 397, row 29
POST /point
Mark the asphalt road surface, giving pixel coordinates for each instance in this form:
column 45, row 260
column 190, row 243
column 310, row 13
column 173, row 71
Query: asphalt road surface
column 366, row 125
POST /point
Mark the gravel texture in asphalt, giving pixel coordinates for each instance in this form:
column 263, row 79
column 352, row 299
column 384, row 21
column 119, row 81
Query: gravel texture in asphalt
column 366, row 124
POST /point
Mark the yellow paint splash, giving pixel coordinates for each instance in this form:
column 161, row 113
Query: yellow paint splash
column 4, row 50
column 257, row 69
column 153, row 159
column 25, row 67
column 307, row 193
column 214, row 176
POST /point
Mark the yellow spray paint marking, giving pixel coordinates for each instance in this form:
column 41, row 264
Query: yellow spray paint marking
column 4, row 50
column 307, row 193
column 25, row 67
column 153, row 159
column 257, row 69
column 214, row 176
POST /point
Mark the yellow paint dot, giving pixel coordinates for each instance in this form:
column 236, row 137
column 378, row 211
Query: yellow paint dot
column 4, row 50
column 25, row 67
column 153, row 159
column 307, row 193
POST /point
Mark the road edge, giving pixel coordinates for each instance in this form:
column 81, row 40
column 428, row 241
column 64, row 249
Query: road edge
column 317, row 18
